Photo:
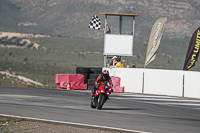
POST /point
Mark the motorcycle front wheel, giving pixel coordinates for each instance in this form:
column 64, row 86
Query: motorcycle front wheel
column 101, row 100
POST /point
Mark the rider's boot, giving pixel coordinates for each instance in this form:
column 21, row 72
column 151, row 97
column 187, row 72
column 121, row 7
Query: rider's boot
column 93, row 92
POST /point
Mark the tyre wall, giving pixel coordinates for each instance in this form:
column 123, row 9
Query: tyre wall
column 90, row 75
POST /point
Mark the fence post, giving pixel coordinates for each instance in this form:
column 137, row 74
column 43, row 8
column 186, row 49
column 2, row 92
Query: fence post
column 183, row 86
column 143, row 84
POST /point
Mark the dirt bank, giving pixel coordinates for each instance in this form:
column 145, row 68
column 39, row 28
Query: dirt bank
column 14, row 125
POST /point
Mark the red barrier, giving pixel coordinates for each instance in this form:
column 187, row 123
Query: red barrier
column 116, row 85
column 78, row 85
column 75, row 78
column 58, row 86
column 60, row 77
column 63, row 84
column 76, row 81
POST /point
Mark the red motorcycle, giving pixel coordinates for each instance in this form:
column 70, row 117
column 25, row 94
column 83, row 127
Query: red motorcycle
column 101, row 96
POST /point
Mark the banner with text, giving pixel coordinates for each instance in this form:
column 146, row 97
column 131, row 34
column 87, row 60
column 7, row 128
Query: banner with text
column 193, row 51
column 154, row 40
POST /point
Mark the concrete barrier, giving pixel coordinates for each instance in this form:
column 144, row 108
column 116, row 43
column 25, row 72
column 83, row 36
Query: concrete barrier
column 131, row 78
column 158, row 81
column 192, row 84
column 163, row 82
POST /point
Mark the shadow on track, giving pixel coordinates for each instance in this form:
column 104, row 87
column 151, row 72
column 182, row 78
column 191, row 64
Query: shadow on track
column 122, row 109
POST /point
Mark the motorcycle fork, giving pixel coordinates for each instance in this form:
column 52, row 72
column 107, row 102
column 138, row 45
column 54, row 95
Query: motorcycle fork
column 99, row 98
column 104, row 99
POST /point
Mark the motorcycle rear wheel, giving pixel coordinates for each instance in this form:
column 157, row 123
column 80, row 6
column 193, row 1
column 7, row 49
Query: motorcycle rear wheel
column 92, row 105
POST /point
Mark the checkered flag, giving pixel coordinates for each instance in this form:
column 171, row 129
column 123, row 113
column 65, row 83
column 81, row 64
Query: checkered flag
column 95, row 23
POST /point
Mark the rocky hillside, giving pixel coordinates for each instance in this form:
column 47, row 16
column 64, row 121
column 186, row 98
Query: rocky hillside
column 71, row 18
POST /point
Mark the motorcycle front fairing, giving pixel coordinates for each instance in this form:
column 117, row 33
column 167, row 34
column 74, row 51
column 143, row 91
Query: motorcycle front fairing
column 103, row 89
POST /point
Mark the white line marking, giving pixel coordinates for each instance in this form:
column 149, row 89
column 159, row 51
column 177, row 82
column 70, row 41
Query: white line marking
column 156, row 99
column 18, row 96
column 183, row 104
column 72, row 123
column 143, row 95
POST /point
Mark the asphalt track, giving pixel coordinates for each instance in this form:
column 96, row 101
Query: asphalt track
column 123, row 112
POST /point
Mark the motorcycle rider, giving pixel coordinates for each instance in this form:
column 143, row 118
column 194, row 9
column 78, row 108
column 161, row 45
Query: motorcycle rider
column 104, row 77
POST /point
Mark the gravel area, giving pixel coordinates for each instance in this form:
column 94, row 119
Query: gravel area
column 15, row 125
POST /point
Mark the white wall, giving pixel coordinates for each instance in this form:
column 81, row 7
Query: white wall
column 192, row 84
column 131, row 78
column 163, row 82
column 111, row 71
column 158, row 81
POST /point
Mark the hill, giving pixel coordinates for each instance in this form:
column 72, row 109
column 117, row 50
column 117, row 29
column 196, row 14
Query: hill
column 71, row 18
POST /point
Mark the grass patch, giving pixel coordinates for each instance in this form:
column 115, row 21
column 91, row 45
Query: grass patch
column 11, row 120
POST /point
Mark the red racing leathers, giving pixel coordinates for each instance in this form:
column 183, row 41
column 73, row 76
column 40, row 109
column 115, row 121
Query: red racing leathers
column 101, row 78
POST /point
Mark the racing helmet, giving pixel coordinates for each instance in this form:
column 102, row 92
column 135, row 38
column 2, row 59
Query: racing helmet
column 105, row 74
